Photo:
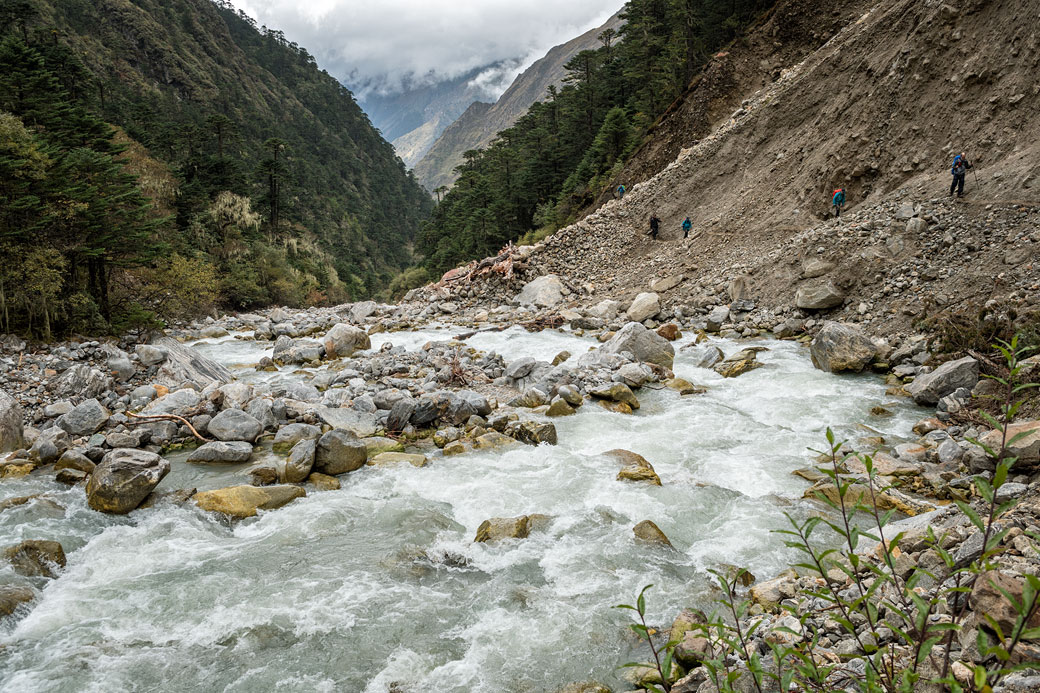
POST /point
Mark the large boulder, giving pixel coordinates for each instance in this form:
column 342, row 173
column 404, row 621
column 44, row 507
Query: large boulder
column 650, row 533
column 739, row 363
column 499, row 528
column 339, row 452
column 235, row 424
column 646, row 345
column 81, row 381
column 819, row 296
column 645, row 305
column 288, row 350
column 360, row 423
column 233, row 452
column 300, row 461
column 11, row 427
column 150, row 355
column 545, row 292
column 944, row 380
column 288, row 436
column 36, row 558
column 244, row 501
column 119, row 364
column 180, row 402
column 124, row 479
column 989, row 597
column 182, row 364
column 343, row 340
column 84, row 419
column 838, row 348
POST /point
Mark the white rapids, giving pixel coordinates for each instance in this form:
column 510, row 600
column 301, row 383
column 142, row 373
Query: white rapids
column 381, row 582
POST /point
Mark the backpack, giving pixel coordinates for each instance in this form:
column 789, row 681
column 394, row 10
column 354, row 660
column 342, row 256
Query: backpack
column 956, row 163
column 839, row 197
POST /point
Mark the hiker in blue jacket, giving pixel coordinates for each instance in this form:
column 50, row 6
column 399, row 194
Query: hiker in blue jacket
column 621, row 192
column 959, row 168
column 838, row 201
column 686, row 226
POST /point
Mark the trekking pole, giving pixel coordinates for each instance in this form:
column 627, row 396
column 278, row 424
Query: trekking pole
column 977, row 184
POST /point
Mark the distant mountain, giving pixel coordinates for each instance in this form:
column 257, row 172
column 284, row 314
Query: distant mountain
column 479, row 124
column 413, row 119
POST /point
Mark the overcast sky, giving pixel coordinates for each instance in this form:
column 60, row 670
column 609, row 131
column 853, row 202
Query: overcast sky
column 388, row 41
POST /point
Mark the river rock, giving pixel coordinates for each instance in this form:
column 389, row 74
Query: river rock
column 186, row 365
column 359, row 423
column 944, row 380
column 770, row 593
column 838, row 348
column 339, row 452
column 493, row 440
column 378, row 444
column 180, row 402
column 389, row 459
column 819, row 296
column 645, row 305
column 616, row 392
column 560, row 407
column 606, row 309
column 536, row 432
column 71, row 459
column 343, row 340
column 124, row 479
column 645, row 345
column 119, row 364
column 499, row 528
column 545, row 292
column 13, row 596
column 150, row 355
column 235, row 424
column 669, row 331
column 288, row 436
column 717, row 318
column 300, row 461
column 11, row 428
column 36, row 558
column 706, row 356
column 739, row 363
column 324, row 482
column 649, row 532
column 1026, row 449
column 639, row 472
column 244, row 501
column 989, row 597
column 221, row 452
column 81, row 381
column 86, row 418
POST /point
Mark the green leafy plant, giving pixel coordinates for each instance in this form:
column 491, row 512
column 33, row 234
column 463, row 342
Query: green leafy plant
column 663, row 657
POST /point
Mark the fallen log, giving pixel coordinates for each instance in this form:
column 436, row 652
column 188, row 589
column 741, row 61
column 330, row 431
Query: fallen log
column 166, row 417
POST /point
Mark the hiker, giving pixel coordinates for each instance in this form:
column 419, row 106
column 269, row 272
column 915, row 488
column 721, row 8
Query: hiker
column 686, row 226
column 838, row 201
column 959, row 168
column 655, row 226
column 621, row 192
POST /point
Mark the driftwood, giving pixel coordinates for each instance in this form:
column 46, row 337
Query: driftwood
column 539, row 324
column 166, row 417
column 500, row 264
column 466, row 335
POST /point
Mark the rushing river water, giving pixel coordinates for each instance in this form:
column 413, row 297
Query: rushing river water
column 380, row 581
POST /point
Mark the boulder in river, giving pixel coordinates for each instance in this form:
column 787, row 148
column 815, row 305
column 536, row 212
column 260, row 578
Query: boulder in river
column 235, row 424
column 227, row 452
column 645, row 305
column 123, row 479
column 498, row 528
column 244, row 501
column 36, row 558
column 343, row 340
column 616, row 392
column 545, row 292
column 288, row 436
column 11, row 431
column 300, row 461
column 13, row 596
column 339, row 452
column 634, row 467
column 84, row 419
column 739, row 363
column 389, row 459
column 944, row 380
column 536, row 432
column 183, row 364
column 649, row 532
column 838, row 348
column 645, row 345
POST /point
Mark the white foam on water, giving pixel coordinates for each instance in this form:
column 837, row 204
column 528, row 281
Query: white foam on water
column 381, row 581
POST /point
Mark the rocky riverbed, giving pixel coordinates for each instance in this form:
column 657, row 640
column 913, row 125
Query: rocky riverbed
column 430, row 496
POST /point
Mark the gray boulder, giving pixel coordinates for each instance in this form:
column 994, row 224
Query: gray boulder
column 300, row 461
column 343, row 340
column 186, row 365
column 646, row 345
column 86, row 418
column 225, row 452
column 545, row 292
column 288, row 350
column 707, row 356
column 359, row 423
column 11, row 427
column 150, row 355
column 400, row 414
column 645, row 305
column 81, row 381
column 288, row 436
column 944, row 380
column 235, row 424
column 119, row 364
column 838, row 348
column 180, row 402
column 520, row 368
column 819, row 296
column 124, row 479
column 339, row 452
column 716, row 318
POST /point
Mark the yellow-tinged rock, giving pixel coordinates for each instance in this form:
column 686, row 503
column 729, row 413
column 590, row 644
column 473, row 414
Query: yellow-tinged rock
column 376, row 445
column 386, row 459
column 498, row 528
column 616, row 407
column 14, row 471
column 324, row 482
column 455, row 448
column 494, row 440
column 685, row 387
column 635, row 472
column 245, row 501
column 649, row 532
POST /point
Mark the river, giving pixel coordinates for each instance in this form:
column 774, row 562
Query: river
column 381, row 582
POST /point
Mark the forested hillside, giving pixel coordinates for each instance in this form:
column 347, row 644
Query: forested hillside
column 237, row 172
column 558, row 156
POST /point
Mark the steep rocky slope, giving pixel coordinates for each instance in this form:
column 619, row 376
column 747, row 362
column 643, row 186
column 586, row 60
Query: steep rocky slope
column 879, row 108
column 481, row 122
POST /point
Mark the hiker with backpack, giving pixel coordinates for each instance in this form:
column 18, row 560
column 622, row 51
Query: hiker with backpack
column 655, row 226
column 959, row 168
column 838, row 201
column 686, row 226
column 621, row 192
